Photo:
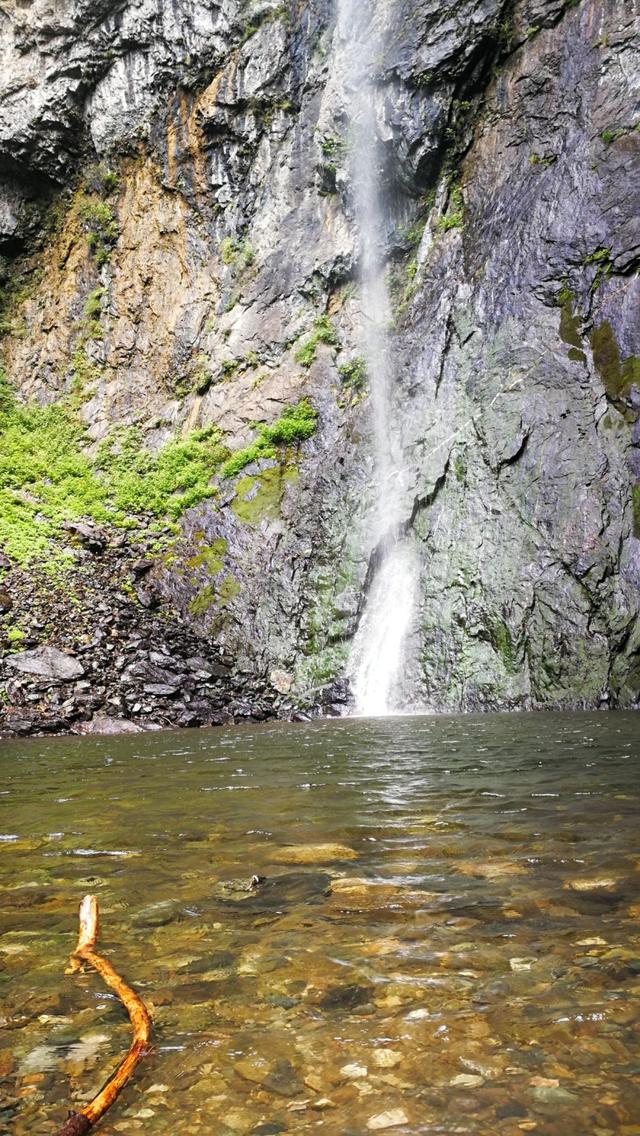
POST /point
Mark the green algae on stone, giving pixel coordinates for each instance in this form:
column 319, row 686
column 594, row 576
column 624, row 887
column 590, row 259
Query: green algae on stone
column 618, row 375
column 502, row 643
column 295, row 425
column 635, row 500
column 48, row 478
column 210, row 556
column 569, row 323
column 259, row 496
column 215, row 597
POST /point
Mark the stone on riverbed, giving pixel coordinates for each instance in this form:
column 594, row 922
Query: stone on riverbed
column 596, row 883
column 157, row 914
column 312, row 854
column 386, row 1058
column 491, row 870
column 392, row 1118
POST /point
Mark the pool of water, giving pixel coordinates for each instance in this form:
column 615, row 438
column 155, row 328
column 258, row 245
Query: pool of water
column 445, row 940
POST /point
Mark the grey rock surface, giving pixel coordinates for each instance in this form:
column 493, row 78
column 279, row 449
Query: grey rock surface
column 47, row 663
column 509, row 146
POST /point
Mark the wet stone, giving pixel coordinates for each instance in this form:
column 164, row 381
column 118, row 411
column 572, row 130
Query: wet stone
column 345, row 997
column 392, row 1118
column 554, row 1095
column 157, row 914
column 312, row 854
column 511, row 1109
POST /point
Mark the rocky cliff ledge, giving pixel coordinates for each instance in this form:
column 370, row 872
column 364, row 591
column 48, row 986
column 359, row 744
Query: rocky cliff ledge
column 185, row 460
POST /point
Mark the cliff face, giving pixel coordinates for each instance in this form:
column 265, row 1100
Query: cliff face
column 177, row 223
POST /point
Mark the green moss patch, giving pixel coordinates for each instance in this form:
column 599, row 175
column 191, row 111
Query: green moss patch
column 323, row 331
column 47, row 478
column 635, row 499
column 618, row 375
column 569, row 323
column 295, row 424
column 259, row 498
column 211, row 557
column 502, row 643
column 215, row 596
column 454, row 216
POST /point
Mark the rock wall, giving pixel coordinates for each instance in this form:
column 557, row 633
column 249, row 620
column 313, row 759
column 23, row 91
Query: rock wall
column 177, row 225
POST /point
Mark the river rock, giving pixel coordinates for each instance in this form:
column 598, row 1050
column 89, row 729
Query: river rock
column 157, row 914
column 312, row 854
column 392, row 1118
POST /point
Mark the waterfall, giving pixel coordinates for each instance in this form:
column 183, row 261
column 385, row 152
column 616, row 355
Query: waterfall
column 376, row 659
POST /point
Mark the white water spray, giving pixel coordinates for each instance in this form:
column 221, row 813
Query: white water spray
column 376, row 660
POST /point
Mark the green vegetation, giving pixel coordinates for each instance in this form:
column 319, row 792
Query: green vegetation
column 454, row 216
column 46, row 478
column 214, row 597
column 459, row 468
column 617, row 375
column 543, row 159
column 502, row 643
column 332, row 146
column 258, row 498
column 611, row 134
column 163, row 484
column 102, row 180
column 14, row 635
column 323, row 331
column 280, row 13
column 211, row 557
column 354, row 373
column 294, row 425
column 15, row 291
column 601, row 258
column 239, row 254
column 100, row 225
column 93, row 304
column 228, row 367
column 635, row 499
column 353, row 379
column 569, row 323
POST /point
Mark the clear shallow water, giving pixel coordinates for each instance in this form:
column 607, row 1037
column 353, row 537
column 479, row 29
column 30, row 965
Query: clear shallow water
column 474, row 967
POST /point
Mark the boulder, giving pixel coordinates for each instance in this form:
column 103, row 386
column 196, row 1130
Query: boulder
column 46, row 663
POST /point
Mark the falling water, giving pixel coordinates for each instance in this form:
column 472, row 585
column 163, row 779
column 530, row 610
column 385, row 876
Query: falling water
column 377, row 654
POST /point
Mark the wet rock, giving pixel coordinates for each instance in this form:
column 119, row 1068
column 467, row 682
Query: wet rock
column 593, row 883
column 467, row 1081
column 275, row 893
column 312, row 854
column 555, row 1095
column 392, row 1118
column 354, row 1071
column 511, row 1109
column 346, row 997
column 386, row 1058
column 157, row 914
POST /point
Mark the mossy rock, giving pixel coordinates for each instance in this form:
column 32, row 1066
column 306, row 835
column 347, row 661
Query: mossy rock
column 259, row 496
column 618, row 375
column 210, row 556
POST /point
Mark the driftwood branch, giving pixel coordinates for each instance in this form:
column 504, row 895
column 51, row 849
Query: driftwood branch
column 81, row 1122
